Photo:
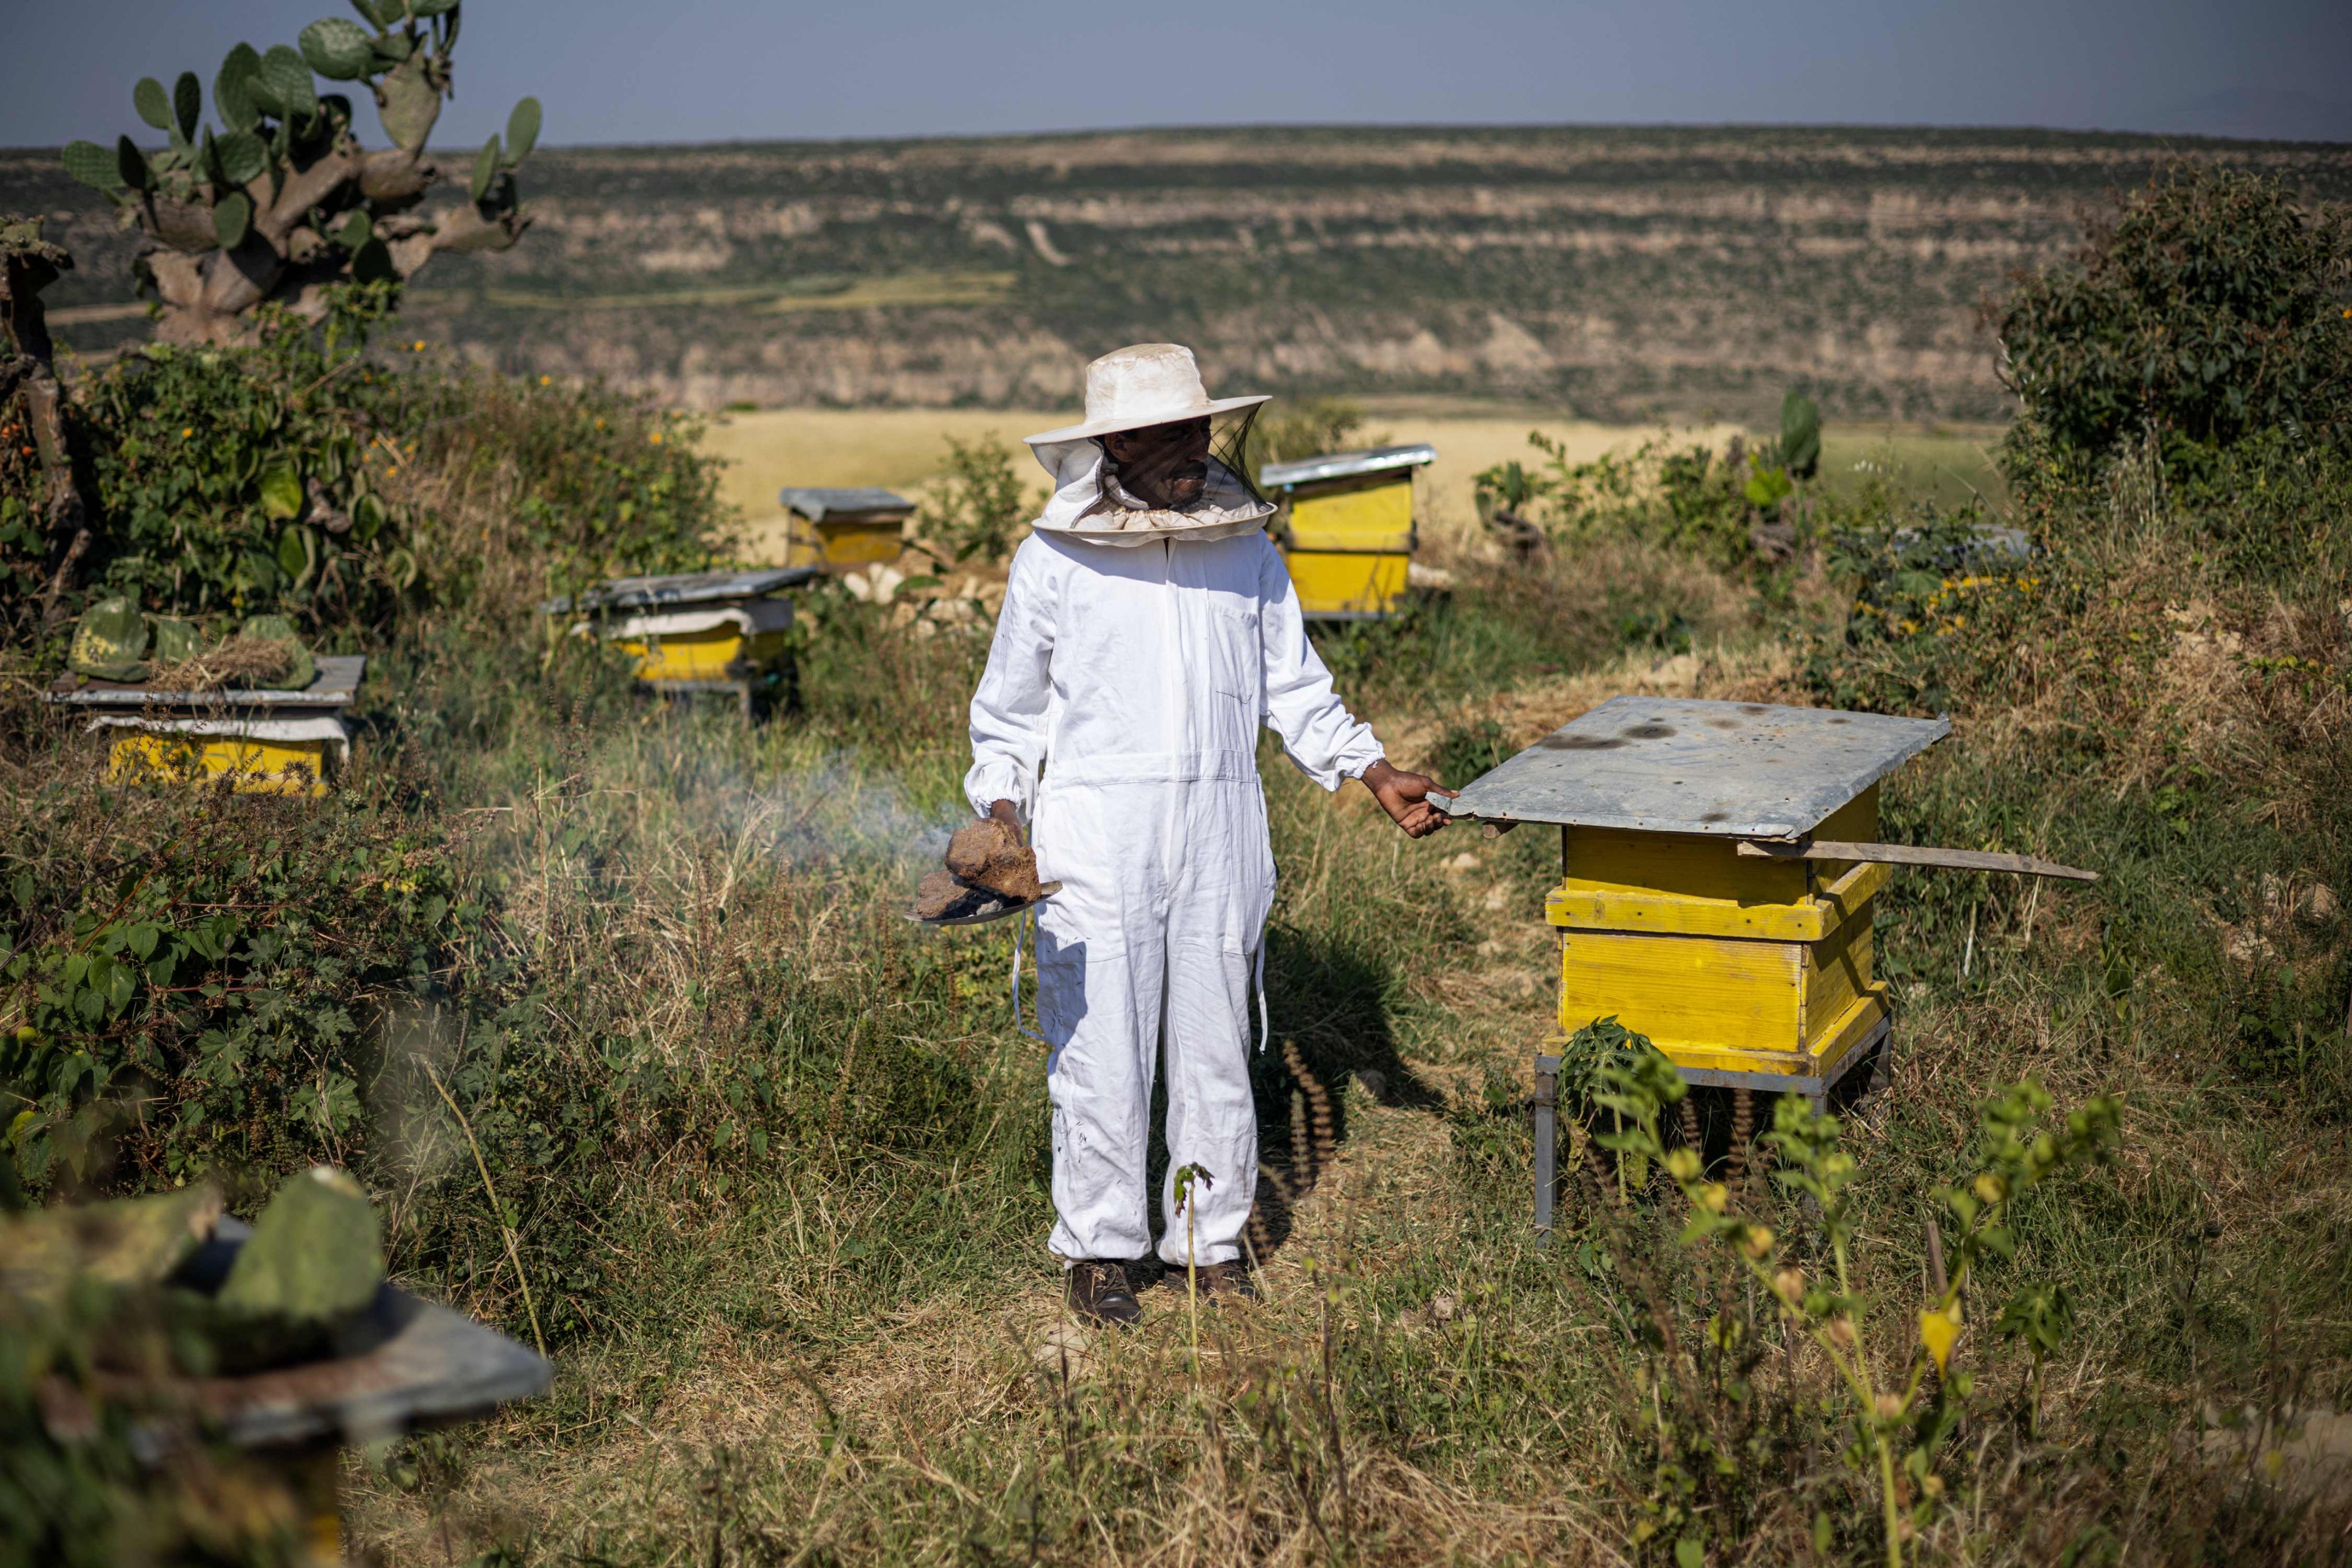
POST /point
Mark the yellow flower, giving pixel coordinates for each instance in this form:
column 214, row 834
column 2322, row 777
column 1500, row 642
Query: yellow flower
column 655, row 437
column 545, row 379
column 1939, row 1330
column 417, row 347
column 187, row 432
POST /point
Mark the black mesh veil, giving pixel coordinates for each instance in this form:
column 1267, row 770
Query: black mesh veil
column 1229, row 448
column 1229, row 443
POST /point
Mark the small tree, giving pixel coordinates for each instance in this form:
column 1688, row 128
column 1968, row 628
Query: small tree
column 281, row 200
column 2209, row 307
column 979, row 504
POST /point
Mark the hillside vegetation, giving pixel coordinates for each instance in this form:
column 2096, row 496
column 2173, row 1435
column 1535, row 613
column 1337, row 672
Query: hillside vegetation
column 772, row 1162
column 1614, row 272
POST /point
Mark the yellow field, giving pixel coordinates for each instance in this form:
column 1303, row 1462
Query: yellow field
column 903, row 449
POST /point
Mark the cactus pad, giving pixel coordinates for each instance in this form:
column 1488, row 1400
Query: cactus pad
column 187, row 103
column 130, row 164
column 124, row 1245
column 338, row 49
column 154, row 105
column 233, row 88
column 316, row 1256
column 289, row 82
column 485, row 169
column 1801, row 436
column 93, row 165
column 232, row 219
column 111, row 642
column 242, row 157
column 522, row 131
column 408, row 103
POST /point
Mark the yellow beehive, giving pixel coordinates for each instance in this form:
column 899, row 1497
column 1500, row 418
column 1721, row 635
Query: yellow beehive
column 1350, row 532
column 1744, row 971
column 840, row 531
column 261, row 741
column 727, row 632
column 1720, row 868
column 723, row 652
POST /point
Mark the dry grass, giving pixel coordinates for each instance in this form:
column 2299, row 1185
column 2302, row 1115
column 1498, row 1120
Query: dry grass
column 238, row 661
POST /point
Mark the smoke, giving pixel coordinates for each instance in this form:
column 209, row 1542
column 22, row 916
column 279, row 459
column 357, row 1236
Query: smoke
column 828, row 815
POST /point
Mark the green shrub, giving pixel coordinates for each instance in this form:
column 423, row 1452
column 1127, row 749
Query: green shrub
column 1933, row 595
column 304, row 477
column 980, row 503
column 1687, row 498
column 197, row 994
column 233, row 482
column 2212, row 307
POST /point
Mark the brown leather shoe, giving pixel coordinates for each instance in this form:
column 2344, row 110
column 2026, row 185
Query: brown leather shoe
column 1230, row 1281
column 1097, row 1290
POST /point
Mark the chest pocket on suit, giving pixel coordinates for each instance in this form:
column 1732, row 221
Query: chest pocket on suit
column 1234, row 665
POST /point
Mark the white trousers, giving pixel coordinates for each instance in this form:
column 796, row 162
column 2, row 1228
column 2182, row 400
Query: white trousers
column 1153, row 938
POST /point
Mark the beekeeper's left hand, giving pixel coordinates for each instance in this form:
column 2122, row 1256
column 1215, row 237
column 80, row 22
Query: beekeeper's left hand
column 1405, row 797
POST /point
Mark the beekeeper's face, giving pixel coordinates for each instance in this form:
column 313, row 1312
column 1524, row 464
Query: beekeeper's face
column 1163, row 465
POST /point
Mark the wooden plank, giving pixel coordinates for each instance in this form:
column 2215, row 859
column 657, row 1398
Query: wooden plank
column 1913, row 854
column 1673, row 914
column 1837, row 972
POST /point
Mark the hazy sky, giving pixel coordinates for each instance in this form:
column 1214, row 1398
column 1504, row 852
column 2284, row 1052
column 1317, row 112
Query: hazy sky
column 694, row 70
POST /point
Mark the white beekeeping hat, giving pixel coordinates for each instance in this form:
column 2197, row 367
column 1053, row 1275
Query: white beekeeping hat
column 1141, row 385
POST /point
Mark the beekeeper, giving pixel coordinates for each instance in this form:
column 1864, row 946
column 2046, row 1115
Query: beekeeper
column 1149, row 628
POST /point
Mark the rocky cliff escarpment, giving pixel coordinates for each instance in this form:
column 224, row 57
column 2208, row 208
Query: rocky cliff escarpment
column 1614, row 271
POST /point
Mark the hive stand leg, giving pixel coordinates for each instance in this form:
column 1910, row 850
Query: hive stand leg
column 1547, row 1106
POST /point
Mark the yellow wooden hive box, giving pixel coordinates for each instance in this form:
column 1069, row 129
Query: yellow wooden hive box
column 1349, row 533
column 1745, row 971
column 260, row 741
column 841, row 530
column 725, row 631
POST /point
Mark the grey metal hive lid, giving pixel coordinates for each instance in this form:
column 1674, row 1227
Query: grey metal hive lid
column 1673, row 765
column 817, row 505
column 336, row 685
column 684, row 588
column 1345, row 465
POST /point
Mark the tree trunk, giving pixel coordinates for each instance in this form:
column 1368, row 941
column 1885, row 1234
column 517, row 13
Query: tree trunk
column 28, row 265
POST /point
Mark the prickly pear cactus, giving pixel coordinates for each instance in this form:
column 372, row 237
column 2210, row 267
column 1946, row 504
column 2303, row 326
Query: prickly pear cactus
column 1801, row 436
column 316, row 1256
column 281, row 201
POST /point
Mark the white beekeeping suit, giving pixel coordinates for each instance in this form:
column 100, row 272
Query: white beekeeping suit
column 1136, row 656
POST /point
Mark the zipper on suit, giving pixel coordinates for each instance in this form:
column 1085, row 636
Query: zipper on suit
column 1173, row 690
